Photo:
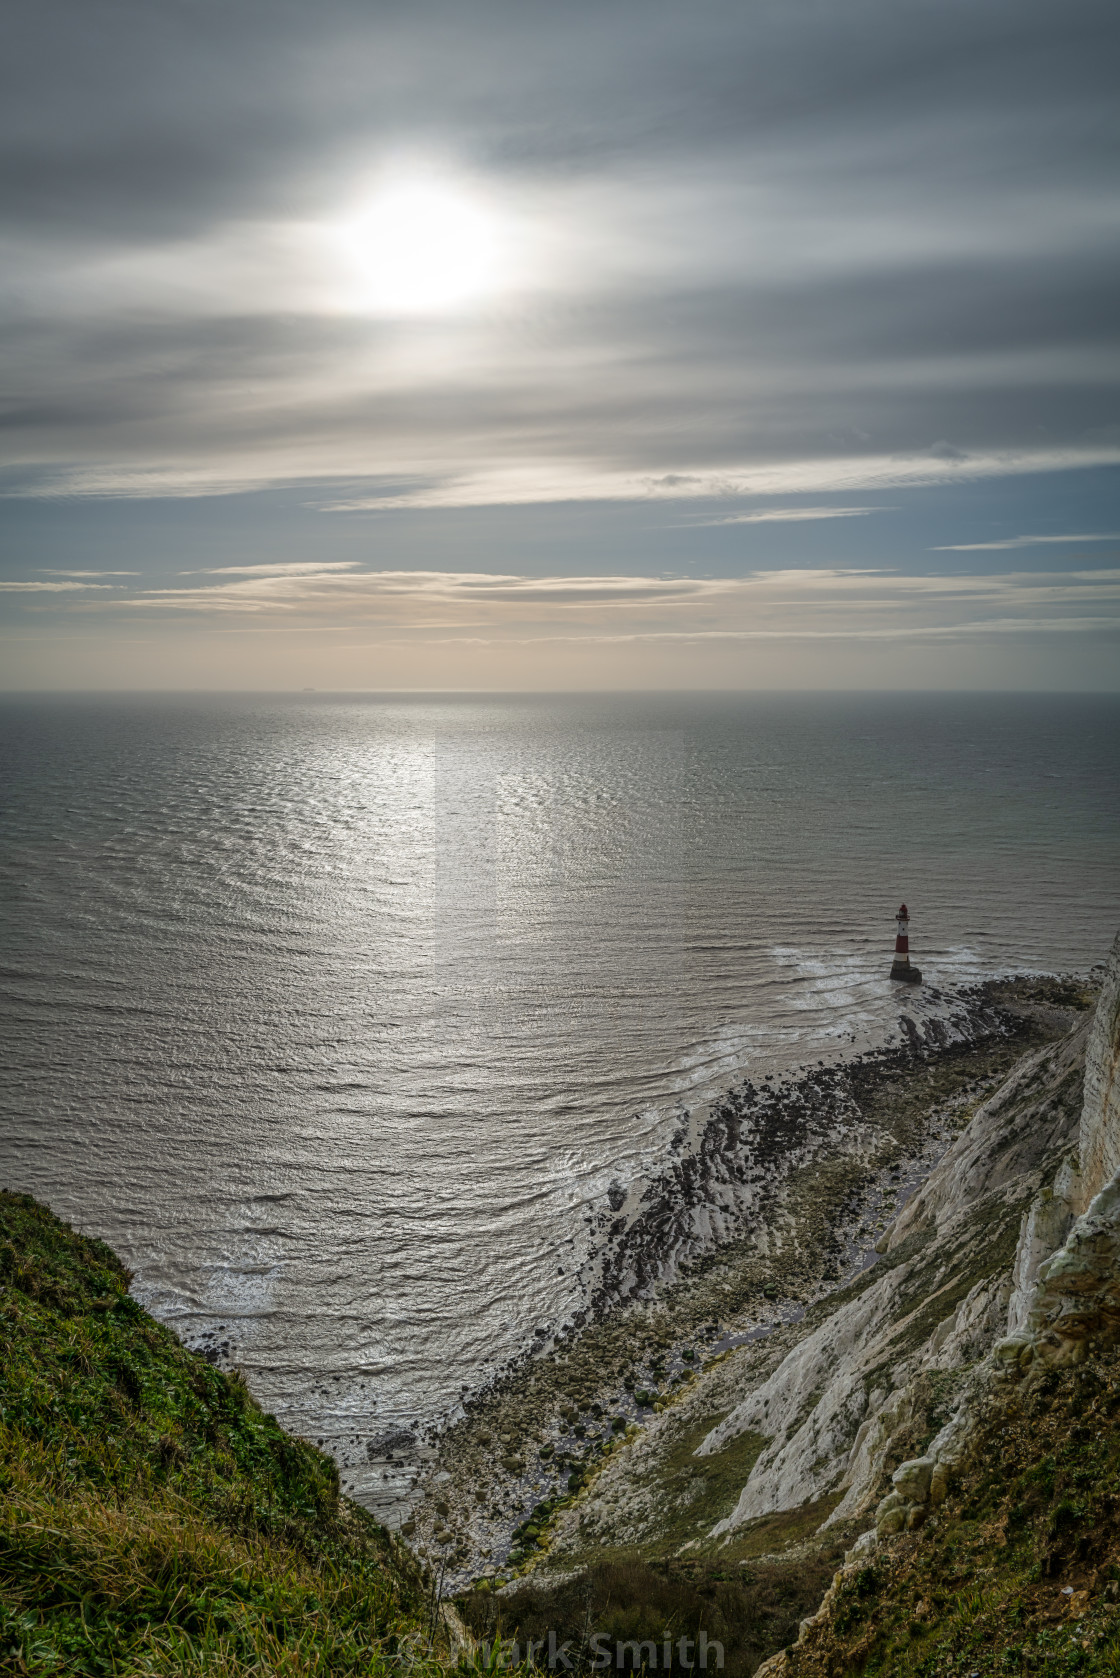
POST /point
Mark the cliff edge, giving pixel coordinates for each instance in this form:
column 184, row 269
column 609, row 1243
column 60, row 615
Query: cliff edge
column 153, row 1520
column 996, row 1547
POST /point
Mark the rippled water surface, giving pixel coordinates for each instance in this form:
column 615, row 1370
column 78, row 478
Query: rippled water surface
column 339, row 1017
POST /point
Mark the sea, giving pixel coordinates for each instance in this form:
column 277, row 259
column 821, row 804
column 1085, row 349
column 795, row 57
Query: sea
column 341, row 1017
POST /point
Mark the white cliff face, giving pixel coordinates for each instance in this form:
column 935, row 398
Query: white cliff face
column 810, row 1408
column 1021, row 1124
column 1100, row 1125
column 1060, row 1295
column 1065, row 1292
column 832, row 1407
column 1067, row 1272
column 1045, row 1226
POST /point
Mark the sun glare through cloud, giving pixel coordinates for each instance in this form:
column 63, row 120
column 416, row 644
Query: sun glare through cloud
column 421, row 244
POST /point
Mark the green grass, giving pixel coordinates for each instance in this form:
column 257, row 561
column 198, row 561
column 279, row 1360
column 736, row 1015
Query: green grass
column 1019, row 1572
column 153, row 1520
column 751, row 1612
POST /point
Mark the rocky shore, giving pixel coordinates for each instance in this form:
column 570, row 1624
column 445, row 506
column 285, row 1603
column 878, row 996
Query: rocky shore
column 772, row 1204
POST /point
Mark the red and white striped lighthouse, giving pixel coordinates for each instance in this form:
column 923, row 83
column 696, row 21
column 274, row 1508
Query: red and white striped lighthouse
column 900, row 967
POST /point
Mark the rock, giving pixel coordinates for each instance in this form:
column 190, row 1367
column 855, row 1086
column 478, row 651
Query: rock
column 864, row 1546
column 970, row 1330
column 775, row 1667
column 890, row 1517
column 912, row 1479
column 1015, row 1349
column 1099, row 1139
column 1045, row 1226
column 1015, row 1130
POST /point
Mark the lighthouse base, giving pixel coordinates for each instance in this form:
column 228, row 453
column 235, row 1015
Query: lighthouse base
column 906, row 974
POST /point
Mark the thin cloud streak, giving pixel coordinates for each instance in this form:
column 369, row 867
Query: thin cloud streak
column 989, row 626
column 1025, row 542
column 554, row 482
column 434, row 609
column 788, row 515
column 16, row 587
column 275, row 568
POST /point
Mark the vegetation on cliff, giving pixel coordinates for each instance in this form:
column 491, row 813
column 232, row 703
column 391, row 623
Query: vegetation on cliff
column 154, row 1520
column 1019, row 1569
column 613, row 1605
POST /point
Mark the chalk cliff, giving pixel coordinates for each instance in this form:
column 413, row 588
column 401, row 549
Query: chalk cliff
column 939, row 1299
column 1044, row 1315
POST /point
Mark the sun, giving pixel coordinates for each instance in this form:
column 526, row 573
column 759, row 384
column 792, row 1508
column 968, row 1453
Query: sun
column 420, row 246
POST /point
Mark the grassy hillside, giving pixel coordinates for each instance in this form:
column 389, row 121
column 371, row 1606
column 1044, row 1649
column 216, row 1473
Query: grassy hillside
column 152, row 1519
column 1019, row 1571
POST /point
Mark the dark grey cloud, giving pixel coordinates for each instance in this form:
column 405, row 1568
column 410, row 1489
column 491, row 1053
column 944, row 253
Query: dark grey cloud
column 883, row 228
column 142, row 115
column 949, row 359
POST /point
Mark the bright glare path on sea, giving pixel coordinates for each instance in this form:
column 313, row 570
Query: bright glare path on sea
column 338, row 1017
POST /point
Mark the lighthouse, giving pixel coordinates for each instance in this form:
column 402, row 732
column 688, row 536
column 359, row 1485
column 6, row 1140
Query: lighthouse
column 900, row 967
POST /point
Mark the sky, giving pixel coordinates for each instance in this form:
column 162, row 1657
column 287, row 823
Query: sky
column 559, row 344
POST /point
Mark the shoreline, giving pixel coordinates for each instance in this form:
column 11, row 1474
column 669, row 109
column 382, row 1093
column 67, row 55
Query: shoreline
column 678, row 1292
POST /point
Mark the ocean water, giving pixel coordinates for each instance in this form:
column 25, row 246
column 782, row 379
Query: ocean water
column 339, row 1017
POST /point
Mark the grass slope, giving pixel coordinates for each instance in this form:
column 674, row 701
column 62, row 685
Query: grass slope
column 1019, row 1572
column 152, row 1519
column 749, row 1612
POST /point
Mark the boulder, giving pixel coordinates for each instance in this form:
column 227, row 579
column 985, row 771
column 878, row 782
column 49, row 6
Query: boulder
column 912, row 1479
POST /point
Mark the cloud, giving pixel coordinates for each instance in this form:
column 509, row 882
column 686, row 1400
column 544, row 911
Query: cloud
column 946, row 451
column 747, row 257
column 543, row 481
column 37, row 587
column 524, row 630
column 752, row 274
column 823, row 603
column 298, row 587
column 791, row 515
column 1025, row 542
column 276, row 568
